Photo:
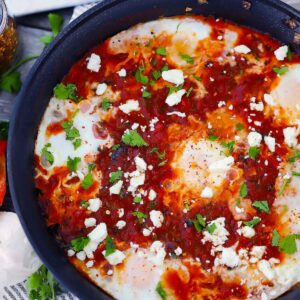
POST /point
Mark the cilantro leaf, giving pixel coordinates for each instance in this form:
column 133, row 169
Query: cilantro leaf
column 115, row 176
column 161, row 51
column 4, row 127
column 243, row 190
column 186, row 58
column 140, row 215
column 280, row 71
column 294, row 173
column 211, row 228
column 228, row 145
column 199, row 223
column 110, row 246
column 146, row 94
column 275, row 238
column 161, row 155
column 87, row 181
column 262, row 206
column 47, row 154
column 56, row 22
column 11, row 82
column 105, row 104
column 156, row 74
column 288, row 244
column 212, row 137
column 137, row 199
column 84, row 203
column 173, row 89
column 253, row 222
column 72, row 163
column 139, row 76
column 46, row 39
column 253, row 151
column 239, row 126
column 79, row 243
column 77, row 143
column 62, row 92
column 133, row 138
column 165, row 67
column 160, row 291
column 295, row 157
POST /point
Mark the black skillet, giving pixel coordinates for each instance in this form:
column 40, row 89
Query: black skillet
column 102, row 21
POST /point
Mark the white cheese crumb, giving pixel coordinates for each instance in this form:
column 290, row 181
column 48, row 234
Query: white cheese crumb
column 175, row 98
column 71, row 252
column 141, row 165
column 228, row 258
column 99, row 233
column 136, row 180
column 248, row 232
column 290, row 136
column 281, row 52
column 122, row 73
column 257, row 253
column 173, row 76
column 270, row 142
column 265, row 267
column 219, row 236
column 81, row 255
column 129, row 106
column 116, row 188
column 115, row 258
column 94, row 204
column 243, row 49
column 152, row 195
column 147, row 231
column 254, row 139
column 101, row 88
column 207, row 192
column 89, row 222
column 178, row 251
column 177, row 113
column 221, row 165
column 257, row 106
column 157, row 218
column 121, row 212
column 94, row 63
column 269, row 99
column 157, row 248
column 89, row 264
column 121, row 224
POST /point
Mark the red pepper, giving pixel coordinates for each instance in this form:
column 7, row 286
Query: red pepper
column 3, row 144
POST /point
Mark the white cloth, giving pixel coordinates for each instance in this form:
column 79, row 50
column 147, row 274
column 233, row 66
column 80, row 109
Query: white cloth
column 26, row 7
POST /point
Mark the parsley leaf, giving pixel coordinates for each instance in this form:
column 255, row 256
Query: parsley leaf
column 4, row 127
column 47, row 154
column 146, row 94
column 275, row 238
column 133, row 138
column 84, row 203
column 62, row 92
column 295, row 173
column 77, row 143
column 156, row 74
column 79, row 243
column 243, row 190
column 262, row 206
column 160, row 291
column 199, row 222
column 165, row 67
column 161, row 155
column 46, row 39
column 56, row 22
column 173, row 89
column 280, row 71
column 161, row 51
column 253, row 151
column 140, row 216
column 253, row 222
column 239, row 126
column 110, row 246
column 137, row 199
column 139, row 76
column 228, row 145
column 186, row 58
column 288, row 244
column 72, row 163
column 88, row 178
column 212, row 137
column 211, row 228
column 295, row 157
column 115, row 176
column 105, row 105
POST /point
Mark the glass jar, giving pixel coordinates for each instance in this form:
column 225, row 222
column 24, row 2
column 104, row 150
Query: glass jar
column 8, row 37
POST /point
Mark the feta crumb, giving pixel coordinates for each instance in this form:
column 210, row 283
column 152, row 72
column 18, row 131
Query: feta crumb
column 89, row 264
column 178, row 251
column 89, row 222
column 177, row 113
column 290, row 136
column 257, row 253
column 135, row 126
column 228, row 258
column 270, row 142
column 254, row 139
column 94, row 204
column 116, row 188
column 269, row 99
column 101, row 88
column 129, row 106
column 147, row 231
column 157, row 218
column 243, row 49
column 115, row 258
column 99, row 233
column 141, row 165
column 136, row 180
column 81, row 255
column 157, row 248
column 152, row 123
column 219, row 236
column 152, row 195
column 121, row 224
column 207, row 193
column 281, row 52
column 110, row 272
column 248, row 232
column 71, row 252
column 175, row 98
column 94, row 63
column 122, row 73
column 265, row 267
column 173, row 76
column 257, row 106
column 121, row 212
column 221, row 165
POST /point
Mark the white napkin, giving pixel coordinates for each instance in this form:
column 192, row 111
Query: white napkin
column 26, row 7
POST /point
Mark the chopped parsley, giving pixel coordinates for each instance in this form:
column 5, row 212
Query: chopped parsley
column 275, row 238
column 239, row 126
column 137, row 199
column 228, row 145
column 71, row 131
column 77, row 143
column 132, row 138
column 140, row 77
column 173, row 89
column 156, row 74
column 62, row 92
column 140, row 216
column 243, row 190
column 110, row 246
column 105, row 104
column 161, row 155
column 115, row 176
column 146, row 94
column 295, row 173
column 212, row 137
column 211, row 228
column 253, row 222
column 253, row 152
column 79, row 243
column 165, row 67
column 56, row 22
column 88, row 178
column 115, row 147
column 288, row 243
column 189, row 91
column 72, row 163
column 280, row 71
column 262, row 206
column 295, row 157
column 161, row 51
column 186, row 58
column 199, row 223
column 47, row 154
column 160, row 291
column 84, row 203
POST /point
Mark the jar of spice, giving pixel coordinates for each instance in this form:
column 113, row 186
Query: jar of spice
column 8, row 37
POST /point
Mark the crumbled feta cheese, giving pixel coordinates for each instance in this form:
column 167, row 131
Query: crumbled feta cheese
column 257, row 106
column 248, row 232
column 257, row 253
column 141, row 165
column 265, row 267
column 147, row 231
column 94, row 63
column 221, row 165
column 281, row 52
column 157, row 248
column 129, row 106
column 89, row 222
column 90, row 248
column 89, row 264
column 254, row 139
column 173, row 76
column 221, row 103
column 152, row 123
column 269, row 99
column 94, row 204
column 121, row 212
column 175, row 98
column 115, row 258
column 101, row 88
column 116, row 188
column 99, row 233
column 135, row 126
column 228, row 258
column 122, row 73
column 152, row 195
column 219, row 236
column 81, row 255
column 136, row 180
column 207, row 192
column 270, row 142
column 290, row 136
column 178, row 251
column 177, row 113
column 243, row 49
column 121, row 224
column 157, row 218
column 71, row 252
